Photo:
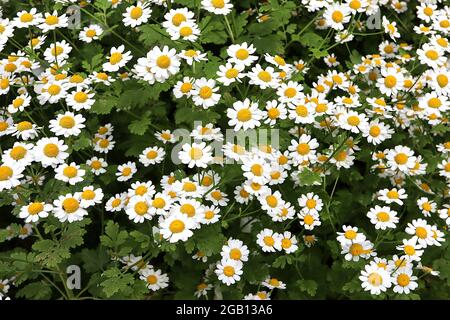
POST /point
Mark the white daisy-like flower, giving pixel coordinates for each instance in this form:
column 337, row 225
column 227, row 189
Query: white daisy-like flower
column 68, row 208
column 80, row 99
column 50, row 151
column 383, row 217
column 117, row 59
column 67, row 124
column 204, row 93
column 34, row 211
column 155, row 280
column 126, row 171
column 163, row 63
column 177, row 226
column 91, row 196
column 404, row 281
column 242, row 54
column 10, row 175
column 288, row 243
column 244, row 114
column 375, row 279
column 152, row 156
column 264, row 78
column 138, row 209
column 195, row 154
column 220, row 7
column 21, row 153
column 393, row 195
column 136, row 15
column 52, row 21
column 229, row 271
column 70, row 173
column 97, row 165
column 90, row 33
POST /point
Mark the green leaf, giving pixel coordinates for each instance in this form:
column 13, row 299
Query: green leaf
column 104, row 105
column 308, row 286
column 308, row 177
column 140, row 126
column 311, row 39
column 213, row 30
column 36, row 290
column 115, row 281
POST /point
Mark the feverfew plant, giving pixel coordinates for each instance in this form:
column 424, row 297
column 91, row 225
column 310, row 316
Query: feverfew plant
column 213, row 149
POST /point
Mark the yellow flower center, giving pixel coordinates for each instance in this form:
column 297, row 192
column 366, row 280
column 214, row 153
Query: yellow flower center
column 136, row 13
column 51, row 20
column 269, row 241
column 186, row 31
column 374, row 131
column 115, row 58
column 235, row 254
column 18, row 153
column 91, row 33
column 383, row 216
column 375, row 279
column 151, row 279
column 442, row 80
column 188, row 209
column 264, row 76
column 350, row 234
column 244, row 115
column 403, row 280
column 163, row 61
column 401, row 158
column 432, row 54
column 308, row 219
column 337, row 16
column 272, row 201
column 257, row 169
column 126, row 171
column 70, row 205
column 209, row 214
column 356, row 249
column 35, row 207
column 176, row 226
column 67, row 122
column 273, row 113
column 242, row 54
column 219, row 4
column 115, row 203
column 54, row 89
column 189, row 187
column 158, row 203
column 196, row 153
column 5, row 173
column 141, row 208
column 185, row 88
column 26, row 17
column 303, row 148
column 205, row 92
column 231, row 73
column 70, row 172
column 390, row 81
column 434, row 103
column 51, row 150
column 177, row 19
column 88, row 194
column 355, row 4
column 80, row 97
column 409, row 250
column 311, row 203
column 228, row 271
column 286, row 243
